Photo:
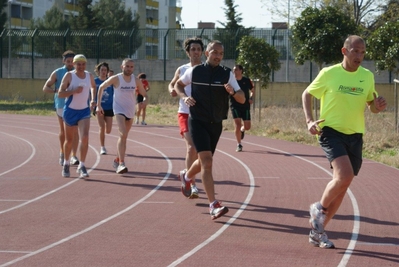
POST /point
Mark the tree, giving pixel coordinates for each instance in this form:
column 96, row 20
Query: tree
column 383, row 47
column 3, row 14
column 390, row 13
column 232, row 32
column 258, row 58
column 49, row 40
column 86, row 18
column 362, row 12
column 318, row 35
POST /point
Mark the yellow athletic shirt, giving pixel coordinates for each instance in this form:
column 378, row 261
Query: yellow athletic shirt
column 343, row 96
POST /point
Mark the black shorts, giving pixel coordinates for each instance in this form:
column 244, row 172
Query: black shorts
column 336, row 144
column 205, row 135
column 139, row 98
column 108, row 113
column 241, row 113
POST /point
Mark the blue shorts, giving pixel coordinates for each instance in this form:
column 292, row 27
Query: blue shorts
column 73, row 116
column 336, row 144
column 205, row 135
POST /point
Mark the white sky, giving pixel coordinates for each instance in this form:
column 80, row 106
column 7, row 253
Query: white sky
column 253, row 14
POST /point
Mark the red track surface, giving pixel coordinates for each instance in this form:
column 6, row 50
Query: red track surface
column 142, row 219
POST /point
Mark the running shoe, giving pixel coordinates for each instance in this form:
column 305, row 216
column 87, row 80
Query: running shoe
column 317, row 218
column 217, row 210
column 239, row 148
column 320, row 240
column 143, row 123
column 74, row 160
column 194, row 192
column 185, row 186
column 121, row 168
column 61, row 160
column 103, row 151
column 242, row 134
column 115, row 163
column 82, row 171
column 137, row 121
column 65, row 171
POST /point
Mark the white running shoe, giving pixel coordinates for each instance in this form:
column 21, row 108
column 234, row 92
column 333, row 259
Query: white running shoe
column 317, row 218
column 194, row 192
column 121, row 168
column 217, row 210
column 74, row 160
column 320, row 240
column 103, row 151
column 82, row 171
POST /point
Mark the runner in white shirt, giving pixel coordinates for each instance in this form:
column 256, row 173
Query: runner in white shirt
column 75, row 87
column 124, row 104
column 194, row 49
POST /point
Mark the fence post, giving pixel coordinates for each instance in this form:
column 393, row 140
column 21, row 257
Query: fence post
column 164, row 55
column 395, row 106
column 1, row 53
column 98, row 46
column 64, row 38
column 33, row 54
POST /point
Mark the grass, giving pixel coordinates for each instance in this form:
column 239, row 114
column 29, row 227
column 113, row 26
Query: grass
column 381, row 142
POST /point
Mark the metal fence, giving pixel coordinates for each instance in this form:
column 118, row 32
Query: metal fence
column 36, row 53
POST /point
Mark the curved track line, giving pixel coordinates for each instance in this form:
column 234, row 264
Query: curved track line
column 356, row 211
column 103, row 221
column 54, row 190
column 26, row 161
column 230, row 221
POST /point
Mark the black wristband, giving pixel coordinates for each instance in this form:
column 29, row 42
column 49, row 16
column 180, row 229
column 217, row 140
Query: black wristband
column 233, row 93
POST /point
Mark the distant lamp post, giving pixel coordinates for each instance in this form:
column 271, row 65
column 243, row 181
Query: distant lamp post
column 9, row 37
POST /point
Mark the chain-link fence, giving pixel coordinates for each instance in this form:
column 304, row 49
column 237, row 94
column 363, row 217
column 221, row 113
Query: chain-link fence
column 36, row 53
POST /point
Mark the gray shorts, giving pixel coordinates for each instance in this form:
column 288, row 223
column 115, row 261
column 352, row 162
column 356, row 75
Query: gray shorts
column 336, row 144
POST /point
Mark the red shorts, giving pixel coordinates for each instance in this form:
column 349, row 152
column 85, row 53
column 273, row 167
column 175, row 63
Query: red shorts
column 183, row 123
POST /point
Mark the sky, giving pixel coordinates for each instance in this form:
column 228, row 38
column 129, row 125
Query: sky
column 253, row 14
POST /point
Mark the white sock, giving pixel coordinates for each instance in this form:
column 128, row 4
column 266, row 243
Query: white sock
column 186, row 178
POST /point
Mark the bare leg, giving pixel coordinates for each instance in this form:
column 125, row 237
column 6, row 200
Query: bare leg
column 84, row 126
column 124, row 128
column 101, row 124
column 237, row 124
column 191, row 155
column 337, row 187
column 206, row 160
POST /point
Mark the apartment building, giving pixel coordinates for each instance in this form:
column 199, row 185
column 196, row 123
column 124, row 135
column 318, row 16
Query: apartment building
column 161, row 14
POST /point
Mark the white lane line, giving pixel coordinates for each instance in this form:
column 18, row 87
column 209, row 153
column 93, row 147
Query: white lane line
column 356, row 212
column 27, row 160
column 230, row 221
column 66, row 239
column 54, row 190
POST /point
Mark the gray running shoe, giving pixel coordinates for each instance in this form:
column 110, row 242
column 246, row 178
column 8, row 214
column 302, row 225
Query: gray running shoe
column 217, row 210
column 239, row 148
column 74, row 161
column 317, row 218
column 121, row 168
column 65, row 171
column 82, row 171
column 61, row 161
column 320, row 240
column 194, row 192
column 185, row 186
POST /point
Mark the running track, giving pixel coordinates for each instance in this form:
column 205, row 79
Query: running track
column 142, row 219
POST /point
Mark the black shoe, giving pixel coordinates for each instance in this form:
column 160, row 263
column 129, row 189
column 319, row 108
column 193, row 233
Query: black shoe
column 242, row 134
